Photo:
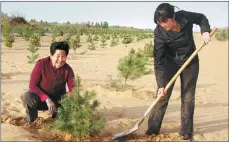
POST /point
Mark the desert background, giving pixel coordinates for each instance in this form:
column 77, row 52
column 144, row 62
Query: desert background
column 121, row 109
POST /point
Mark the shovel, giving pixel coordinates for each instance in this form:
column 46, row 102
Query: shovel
column 136, row 126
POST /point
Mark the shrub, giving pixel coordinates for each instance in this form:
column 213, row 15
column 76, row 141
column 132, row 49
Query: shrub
column 132, row 66
column 96, row 38
column 75, row 42
column 114, row 40
column 127, row 40
column 9, row 40
column 6, row 28
column 67, row 37
column 89, row 38
column 8, row 37
column 56, row 32
column 103, row 41
column 40, row 31
column 91, row 45
column 148, row 49
column 222, row 34
column 108, row 37
column 27, row 31
column 34, row 43
column 77, row 114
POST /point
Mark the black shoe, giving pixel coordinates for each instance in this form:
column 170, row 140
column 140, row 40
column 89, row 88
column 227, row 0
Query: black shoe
column 186, row 137
column 54, row 115
column 148, row 132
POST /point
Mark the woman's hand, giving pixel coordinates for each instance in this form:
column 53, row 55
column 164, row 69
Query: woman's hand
column 51, row 105
column 206, row 37
column 161, row 91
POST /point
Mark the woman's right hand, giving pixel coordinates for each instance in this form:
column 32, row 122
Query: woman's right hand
column 161, row 91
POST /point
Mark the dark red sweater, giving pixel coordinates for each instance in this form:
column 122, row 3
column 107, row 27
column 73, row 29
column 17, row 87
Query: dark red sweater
column 47, row 81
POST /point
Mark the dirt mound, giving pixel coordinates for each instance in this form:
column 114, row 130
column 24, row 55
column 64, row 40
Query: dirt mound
column 102, row 90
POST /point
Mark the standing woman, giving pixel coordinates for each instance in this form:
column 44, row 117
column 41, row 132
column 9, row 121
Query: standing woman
column 173, row 45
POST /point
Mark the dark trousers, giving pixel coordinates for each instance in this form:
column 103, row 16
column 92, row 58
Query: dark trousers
column 32, row 104
column 188, row 80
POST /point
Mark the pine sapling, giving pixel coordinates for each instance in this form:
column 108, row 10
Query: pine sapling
column 103, row 41
column 222, row 34
column 6, row 28
column 75, row 42
column 148, row 49
column 114, row 40
column 27, row 32
column 96, row 38
column 55, row 32
column 108, row 37
column 53, row 38
column 67, row 37
column 132, row 66
column 8, row 37
column 77, row 114
column 89, row 39
column 9, row 40
column 127, row 40
column 91, row 45
column 34, row 43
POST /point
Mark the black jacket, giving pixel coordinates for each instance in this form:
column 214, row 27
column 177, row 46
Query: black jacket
column 174, row 46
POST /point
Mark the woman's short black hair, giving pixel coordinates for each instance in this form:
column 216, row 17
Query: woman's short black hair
column 163, row 12
column 62, row 45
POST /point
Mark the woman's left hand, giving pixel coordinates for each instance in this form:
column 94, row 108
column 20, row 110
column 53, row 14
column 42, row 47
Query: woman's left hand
column 206, row 37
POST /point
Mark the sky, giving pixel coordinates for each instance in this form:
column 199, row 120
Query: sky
column 136, row 14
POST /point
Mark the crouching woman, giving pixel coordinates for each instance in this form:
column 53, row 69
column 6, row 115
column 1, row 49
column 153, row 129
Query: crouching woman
column 48, row 82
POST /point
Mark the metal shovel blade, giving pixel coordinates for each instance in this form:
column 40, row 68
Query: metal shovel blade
column 127, row 132
column 135, row 128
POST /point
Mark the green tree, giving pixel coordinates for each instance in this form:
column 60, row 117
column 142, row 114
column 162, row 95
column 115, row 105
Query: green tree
column 6, row 28
column 34, row 43
column 103, row 41
column 55, row 32
column 127, row 39
column 105, row 24
column 77, row 114
column 9, row 40
column 27, row 31
column 89, row 38
column 67, row 37
column 114, row 40
column 91, row 45
column 222, row 34
column 75, row 42
column 41, row 31
column 132, row 66
column 148, row 49
column 8, row 37
column 96, row 37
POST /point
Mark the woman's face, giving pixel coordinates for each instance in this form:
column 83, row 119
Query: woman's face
column 59, row 58
column 168, row 24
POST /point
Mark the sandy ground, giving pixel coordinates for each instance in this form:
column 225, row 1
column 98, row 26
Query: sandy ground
column 122, row 109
